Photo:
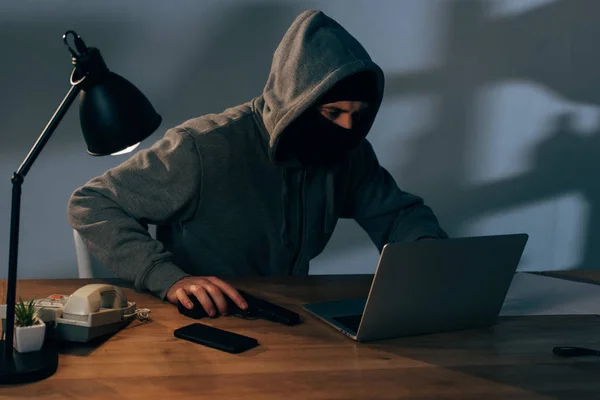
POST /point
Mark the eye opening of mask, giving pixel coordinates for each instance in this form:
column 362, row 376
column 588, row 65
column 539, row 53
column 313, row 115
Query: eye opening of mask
column 361, row 86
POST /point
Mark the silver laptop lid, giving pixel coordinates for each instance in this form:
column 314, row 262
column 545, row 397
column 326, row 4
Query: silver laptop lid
column 440, row 285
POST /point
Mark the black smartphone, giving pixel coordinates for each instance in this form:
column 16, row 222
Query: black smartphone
column 216, row 338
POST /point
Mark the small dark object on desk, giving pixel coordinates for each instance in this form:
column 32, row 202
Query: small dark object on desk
column 569, row 351
column 257, row 308
column 216, row 338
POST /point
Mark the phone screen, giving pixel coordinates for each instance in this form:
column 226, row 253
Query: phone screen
column 216, row 338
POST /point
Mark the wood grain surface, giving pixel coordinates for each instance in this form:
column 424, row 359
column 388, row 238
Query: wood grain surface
column 511, row 360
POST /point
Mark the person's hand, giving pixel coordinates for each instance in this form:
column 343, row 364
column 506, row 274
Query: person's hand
column 209, row 291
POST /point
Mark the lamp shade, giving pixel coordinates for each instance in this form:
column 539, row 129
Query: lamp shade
column 115, row 115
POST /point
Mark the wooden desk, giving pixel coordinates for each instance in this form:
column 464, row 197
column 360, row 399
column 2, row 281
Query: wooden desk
column 312, row 361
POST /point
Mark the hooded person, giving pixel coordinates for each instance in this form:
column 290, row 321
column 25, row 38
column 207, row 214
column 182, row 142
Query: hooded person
column 258, row 188
column 312, row 139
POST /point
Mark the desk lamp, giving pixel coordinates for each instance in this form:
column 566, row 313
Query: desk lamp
column 115, row 117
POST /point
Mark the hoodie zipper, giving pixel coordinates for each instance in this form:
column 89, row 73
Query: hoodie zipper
column 301, row 222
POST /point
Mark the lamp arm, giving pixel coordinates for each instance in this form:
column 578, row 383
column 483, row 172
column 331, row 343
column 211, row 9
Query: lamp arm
column 48, row 130
column 15, row 212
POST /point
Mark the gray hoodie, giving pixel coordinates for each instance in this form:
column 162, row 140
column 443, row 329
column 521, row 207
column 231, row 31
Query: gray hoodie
column 223, row 205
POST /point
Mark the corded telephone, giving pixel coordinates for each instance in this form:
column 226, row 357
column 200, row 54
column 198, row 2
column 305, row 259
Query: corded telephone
column 91, row 311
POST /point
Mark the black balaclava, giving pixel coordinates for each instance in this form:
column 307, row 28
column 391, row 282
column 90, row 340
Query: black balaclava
column 315, row 140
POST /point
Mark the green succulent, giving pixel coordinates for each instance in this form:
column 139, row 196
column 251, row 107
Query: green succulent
column 25, row 313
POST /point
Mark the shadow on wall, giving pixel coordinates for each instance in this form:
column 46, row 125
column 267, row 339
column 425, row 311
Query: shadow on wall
column 228, row 67
column 552, row 46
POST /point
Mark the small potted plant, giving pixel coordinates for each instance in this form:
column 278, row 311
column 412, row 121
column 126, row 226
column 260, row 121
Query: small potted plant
column 29, row 329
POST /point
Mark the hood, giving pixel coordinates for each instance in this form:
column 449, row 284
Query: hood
column 314, row 55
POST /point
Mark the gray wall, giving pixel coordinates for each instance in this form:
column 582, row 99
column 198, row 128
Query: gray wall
column 490, row 110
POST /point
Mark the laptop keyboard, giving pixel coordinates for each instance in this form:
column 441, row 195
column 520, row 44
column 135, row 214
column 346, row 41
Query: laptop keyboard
column 351, row 322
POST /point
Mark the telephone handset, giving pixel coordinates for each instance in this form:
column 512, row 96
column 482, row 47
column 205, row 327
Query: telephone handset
column 90, row 299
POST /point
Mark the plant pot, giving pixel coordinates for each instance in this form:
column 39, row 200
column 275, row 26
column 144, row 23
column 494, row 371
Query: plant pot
column 29, row 338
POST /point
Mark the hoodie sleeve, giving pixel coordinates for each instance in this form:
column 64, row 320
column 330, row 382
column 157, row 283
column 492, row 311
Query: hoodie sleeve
column 385, row 212
column 158, row 185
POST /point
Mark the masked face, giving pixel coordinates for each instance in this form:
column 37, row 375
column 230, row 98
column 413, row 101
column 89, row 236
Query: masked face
column 325, row 134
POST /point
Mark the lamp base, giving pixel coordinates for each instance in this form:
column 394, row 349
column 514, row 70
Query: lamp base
column 27, row 367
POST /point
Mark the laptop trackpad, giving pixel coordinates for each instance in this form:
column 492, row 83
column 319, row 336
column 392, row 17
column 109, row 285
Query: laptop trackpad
column 341, row 308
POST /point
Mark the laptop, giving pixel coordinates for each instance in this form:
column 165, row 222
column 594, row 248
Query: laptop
column 430, row 286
